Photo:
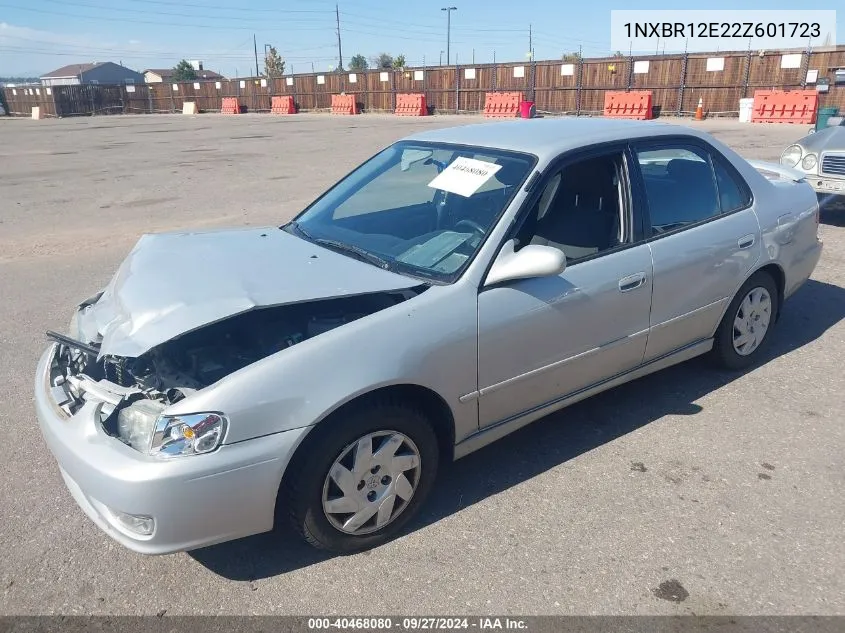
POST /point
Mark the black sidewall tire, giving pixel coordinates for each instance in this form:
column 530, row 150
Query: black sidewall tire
column 305, row 485
column 723, row 353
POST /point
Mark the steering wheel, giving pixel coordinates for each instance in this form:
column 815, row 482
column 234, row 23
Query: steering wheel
column 475, row 226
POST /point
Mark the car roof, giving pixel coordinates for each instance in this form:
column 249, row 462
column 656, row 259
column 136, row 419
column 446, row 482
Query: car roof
column 547, row 137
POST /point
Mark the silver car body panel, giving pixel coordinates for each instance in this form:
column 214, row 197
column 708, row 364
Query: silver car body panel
column 497, row 357
column 540, row 338
column 718, row 255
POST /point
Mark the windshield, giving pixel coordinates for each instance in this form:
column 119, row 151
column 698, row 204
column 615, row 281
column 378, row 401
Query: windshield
column 417, row 208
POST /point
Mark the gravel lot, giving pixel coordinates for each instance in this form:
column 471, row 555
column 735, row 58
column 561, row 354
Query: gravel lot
column 688, row 491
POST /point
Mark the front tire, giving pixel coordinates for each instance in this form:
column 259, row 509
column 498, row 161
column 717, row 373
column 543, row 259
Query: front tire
column 745, row 330
column 361, row 477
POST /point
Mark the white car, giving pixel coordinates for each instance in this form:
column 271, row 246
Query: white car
column 821, row 156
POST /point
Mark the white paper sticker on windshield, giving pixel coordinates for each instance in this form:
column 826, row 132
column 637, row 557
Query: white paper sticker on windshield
column 464, row 176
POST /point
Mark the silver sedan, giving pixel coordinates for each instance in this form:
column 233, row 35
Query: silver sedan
column 453, row 288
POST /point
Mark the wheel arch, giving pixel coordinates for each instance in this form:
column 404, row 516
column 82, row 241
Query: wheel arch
column 432, row 405
column 775, row 271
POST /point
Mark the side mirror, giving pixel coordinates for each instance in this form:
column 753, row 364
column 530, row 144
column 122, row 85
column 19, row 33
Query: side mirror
column 530, row 261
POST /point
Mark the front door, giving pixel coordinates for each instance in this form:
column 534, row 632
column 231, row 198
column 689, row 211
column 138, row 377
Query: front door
column 542, row 339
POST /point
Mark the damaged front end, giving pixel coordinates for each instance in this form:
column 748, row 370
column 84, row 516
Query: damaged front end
column 128, row 409
column 132, row 393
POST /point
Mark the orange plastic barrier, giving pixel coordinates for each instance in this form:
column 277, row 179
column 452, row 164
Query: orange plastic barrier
column 411, row 105
column 344, row 104
column 785, row 106
column 635, row 104
column 230, row 106
column 282, row 105
column 502, row 105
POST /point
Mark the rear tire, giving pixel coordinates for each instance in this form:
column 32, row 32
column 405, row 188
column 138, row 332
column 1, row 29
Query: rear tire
column 361, row 477
column 745, row 330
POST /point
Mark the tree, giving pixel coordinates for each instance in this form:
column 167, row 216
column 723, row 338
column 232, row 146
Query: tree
column 183, row 71
column 572, row 57
column 358, row 62
column 382, row 60
column 619, row 54
column 274, row 65
column 19, row 80
column 399, row 61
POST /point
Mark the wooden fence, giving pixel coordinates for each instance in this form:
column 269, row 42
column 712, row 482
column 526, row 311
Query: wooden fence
column 676, row 81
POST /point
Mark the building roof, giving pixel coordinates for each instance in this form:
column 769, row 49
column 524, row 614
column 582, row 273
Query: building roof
column 544, row 137
column 75, row 70
column 71, row 70
column 167, row 73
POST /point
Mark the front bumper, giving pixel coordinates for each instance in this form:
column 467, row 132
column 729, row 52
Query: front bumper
column 195, row 501
column 827, row 185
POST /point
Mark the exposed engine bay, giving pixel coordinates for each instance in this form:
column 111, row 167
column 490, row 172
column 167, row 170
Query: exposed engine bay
column 171, row 371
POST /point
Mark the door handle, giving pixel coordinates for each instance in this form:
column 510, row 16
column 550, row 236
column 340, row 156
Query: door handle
column 631, row 282
column 746, row 241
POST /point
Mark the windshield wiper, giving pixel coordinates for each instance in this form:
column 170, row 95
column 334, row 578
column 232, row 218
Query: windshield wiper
column 341, row 247
column 360, row 253
column 297, row 227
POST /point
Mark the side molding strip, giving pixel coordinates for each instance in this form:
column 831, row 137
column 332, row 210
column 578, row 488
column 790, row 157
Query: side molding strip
column 496, row 431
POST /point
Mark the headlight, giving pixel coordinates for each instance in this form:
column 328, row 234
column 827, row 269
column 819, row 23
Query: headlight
column 136, row 423
column 188, row 434
column 809, row 162
column 142, row 426
column 791, row 155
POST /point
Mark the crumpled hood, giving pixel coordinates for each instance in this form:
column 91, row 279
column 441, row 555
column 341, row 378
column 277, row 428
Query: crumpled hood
column 172, row 283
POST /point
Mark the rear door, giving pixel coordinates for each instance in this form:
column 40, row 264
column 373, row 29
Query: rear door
column 704, row 238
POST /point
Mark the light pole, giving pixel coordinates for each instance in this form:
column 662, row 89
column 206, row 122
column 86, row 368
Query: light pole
column 448, row 11
column 441, row 58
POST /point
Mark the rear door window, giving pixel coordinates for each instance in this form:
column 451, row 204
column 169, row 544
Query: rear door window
column 680, row 186
column 734, row 194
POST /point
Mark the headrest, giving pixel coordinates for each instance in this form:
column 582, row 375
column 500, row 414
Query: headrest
column 592, row 178
column 511, row 172
column 682, row 168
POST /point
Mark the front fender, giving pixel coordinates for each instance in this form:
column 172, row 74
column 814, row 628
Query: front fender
column 429, row 341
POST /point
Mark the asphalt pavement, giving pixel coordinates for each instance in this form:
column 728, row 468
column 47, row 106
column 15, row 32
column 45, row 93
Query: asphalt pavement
column 689, row 491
